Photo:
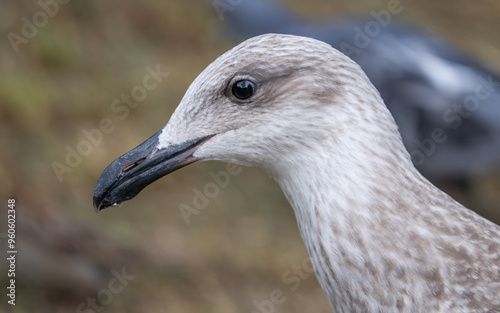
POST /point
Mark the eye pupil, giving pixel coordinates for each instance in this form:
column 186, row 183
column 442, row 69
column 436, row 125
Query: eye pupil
column 243, row 89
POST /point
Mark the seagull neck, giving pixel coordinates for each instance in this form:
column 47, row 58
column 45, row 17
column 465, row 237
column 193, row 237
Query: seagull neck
column 341, row 207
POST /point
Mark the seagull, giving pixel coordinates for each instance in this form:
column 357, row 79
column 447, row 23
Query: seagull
column 381, row 237
column 425, row 81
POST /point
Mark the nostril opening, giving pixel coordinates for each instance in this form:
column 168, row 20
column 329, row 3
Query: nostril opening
column 131, row 166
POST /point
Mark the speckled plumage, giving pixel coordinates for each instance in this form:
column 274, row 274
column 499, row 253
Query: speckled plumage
column 380, row 236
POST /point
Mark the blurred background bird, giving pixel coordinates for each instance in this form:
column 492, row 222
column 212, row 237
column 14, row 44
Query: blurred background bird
column 67, row 70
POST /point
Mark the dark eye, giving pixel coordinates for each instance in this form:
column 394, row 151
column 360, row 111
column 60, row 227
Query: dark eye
column 243, row 89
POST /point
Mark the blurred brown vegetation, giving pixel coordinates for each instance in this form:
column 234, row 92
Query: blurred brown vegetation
column 63, row 81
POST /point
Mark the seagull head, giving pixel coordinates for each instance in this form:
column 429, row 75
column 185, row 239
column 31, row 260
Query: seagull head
column 273, row 102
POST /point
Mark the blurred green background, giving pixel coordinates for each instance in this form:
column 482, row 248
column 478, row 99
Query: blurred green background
column 237, row 250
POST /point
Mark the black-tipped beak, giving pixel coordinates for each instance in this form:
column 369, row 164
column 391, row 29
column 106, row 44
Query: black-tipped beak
column 124, row 178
